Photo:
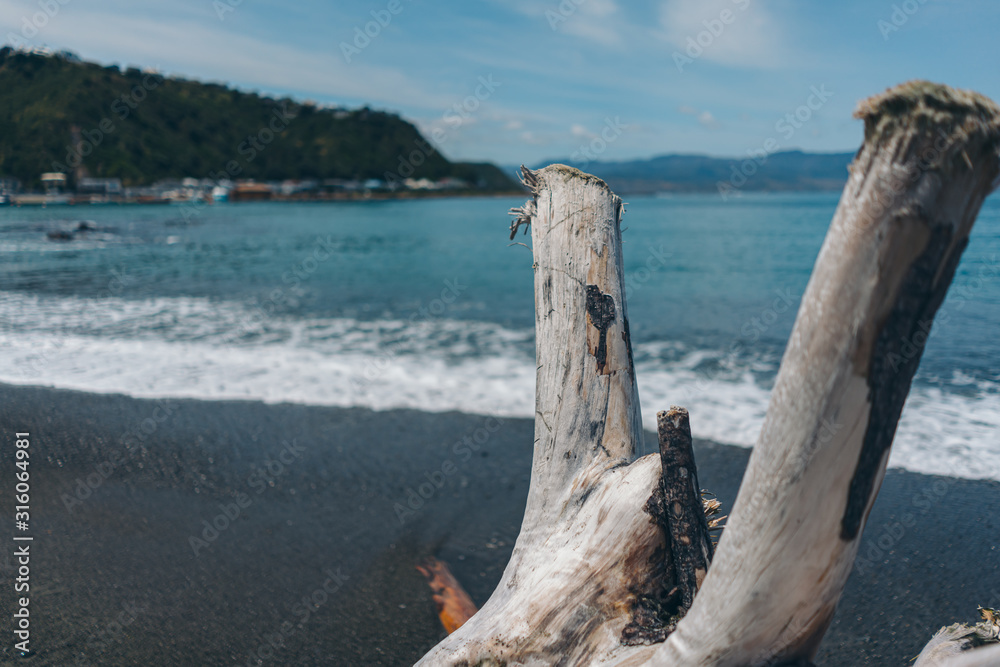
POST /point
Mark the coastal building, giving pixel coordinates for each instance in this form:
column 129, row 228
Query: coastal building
column 100, row 186
column 452, row 183
column 250, row 191
column 342, row 184
column 292, row 186
column 54, row 182
column 420, row 184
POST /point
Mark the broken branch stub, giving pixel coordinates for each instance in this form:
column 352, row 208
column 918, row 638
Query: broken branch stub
column 690, row 542
column 678, row 509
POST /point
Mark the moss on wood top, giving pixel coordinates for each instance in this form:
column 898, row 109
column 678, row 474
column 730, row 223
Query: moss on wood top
column 918, row 105
column 568, row 173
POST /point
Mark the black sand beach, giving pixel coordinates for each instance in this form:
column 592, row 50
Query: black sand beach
column 319, row 551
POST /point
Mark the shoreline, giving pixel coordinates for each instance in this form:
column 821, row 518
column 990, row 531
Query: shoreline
column 331, row 197
column 175, row 532
column 408, row 195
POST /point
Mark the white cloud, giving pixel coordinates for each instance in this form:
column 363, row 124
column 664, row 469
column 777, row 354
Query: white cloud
column 597, row 21
column 594, row 20
column 513, row 125
column 737, row 33
column 708, row 120
column 599, row 7
column 705, row 118
column 580, row 131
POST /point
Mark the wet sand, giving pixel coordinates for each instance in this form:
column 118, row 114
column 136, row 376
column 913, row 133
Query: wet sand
column 139, row 556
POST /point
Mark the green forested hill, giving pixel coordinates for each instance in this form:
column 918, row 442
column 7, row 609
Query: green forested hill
column 142, row 127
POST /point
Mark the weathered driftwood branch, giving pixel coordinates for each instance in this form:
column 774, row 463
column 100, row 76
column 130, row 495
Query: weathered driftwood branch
column 586, row 551
column 587, row 556
column 928, row 161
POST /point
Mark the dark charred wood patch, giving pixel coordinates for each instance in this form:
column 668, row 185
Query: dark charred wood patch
column 656, row 606
column 627, row 337
column 601, row 312
column 572, row 644
column 595, row 429
column 894, row 360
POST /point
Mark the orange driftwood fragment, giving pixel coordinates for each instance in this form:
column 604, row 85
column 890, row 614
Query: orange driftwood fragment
column 454, row 605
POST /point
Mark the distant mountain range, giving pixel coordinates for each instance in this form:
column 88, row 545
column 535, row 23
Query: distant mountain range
column 780, row 171
column 60, row 114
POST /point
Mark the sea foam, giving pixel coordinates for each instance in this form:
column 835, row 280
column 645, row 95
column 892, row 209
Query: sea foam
column 205, row 349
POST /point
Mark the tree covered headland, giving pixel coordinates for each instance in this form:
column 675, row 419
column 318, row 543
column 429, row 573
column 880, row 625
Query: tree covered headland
column 58, row 114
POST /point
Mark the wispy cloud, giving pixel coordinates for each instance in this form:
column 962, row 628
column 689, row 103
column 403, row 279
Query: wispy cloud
column 737, row 33
column 704, row 118
column 596, row 21
column 211, row 51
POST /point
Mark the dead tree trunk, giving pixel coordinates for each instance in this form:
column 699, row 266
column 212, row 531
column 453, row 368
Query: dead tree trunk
column 587, row 556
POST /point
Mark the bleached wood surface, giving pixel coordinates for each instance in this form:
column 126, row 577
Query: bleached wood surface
column 585, row 543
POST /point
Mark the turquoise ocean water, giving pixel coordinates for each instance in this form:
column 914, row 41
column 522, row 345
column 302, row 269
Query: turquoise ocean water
column 426, row 304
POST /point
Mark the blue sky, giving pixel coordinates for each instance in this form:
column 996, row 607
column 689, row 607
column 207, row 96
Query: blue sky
column 671, row 76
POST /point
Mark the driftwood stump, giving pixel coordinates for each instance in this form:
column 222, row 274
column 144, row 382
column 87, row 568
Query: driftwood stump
column 589, row 560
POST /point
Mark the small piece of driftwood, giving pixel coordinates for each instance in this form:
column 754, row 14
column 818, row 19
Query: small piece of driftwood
column 454, row 606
